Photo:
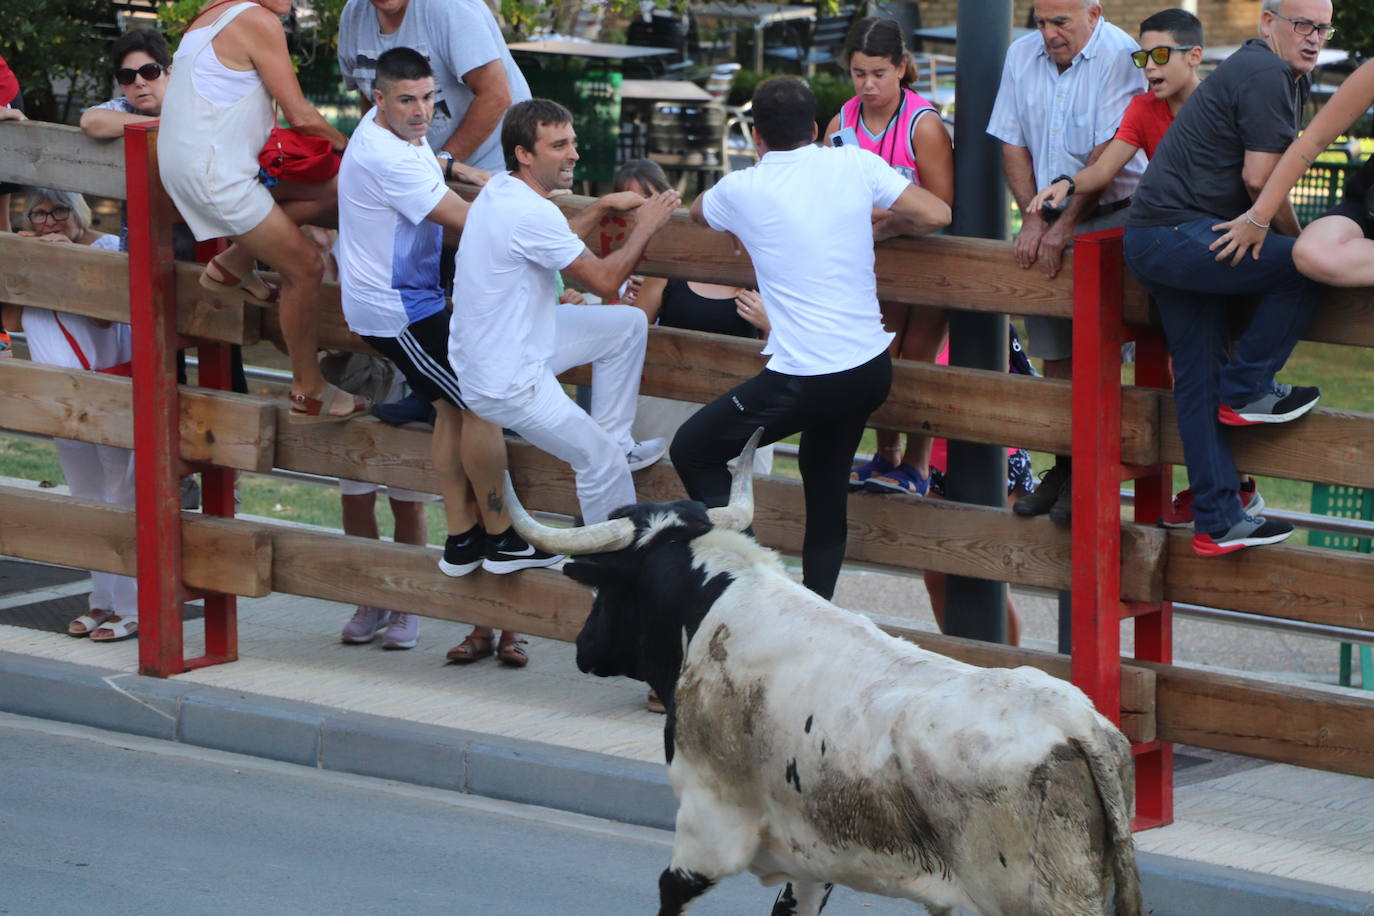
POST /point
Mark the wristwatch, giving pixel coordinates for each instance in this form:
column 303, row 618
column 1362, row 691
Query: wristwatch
column 448, row 164
column 1072, row 185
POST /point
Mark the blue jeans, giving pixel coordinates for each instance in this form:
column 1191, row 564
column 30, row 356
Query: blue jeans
column 1193, row 290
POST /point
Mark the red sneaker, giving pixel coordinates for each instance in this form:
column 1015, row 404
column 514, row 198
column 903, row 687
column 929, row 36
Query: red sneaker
column 1180, row 514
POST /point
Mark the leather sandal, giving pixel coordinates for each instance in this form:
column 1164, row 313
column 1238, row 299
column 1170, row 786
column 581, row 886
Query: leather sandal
column 305, row 409
column 471, row 649
column 233, row 281
column 89, row 622
column 508, row 651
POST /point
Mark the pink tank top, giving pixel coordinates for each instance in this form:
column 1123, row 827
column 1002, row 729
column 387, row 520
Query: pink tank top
column 894, row 143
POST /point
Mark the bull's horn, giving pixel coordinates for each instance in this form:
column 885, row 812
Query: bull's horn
column 603, row 536
column 740, row 513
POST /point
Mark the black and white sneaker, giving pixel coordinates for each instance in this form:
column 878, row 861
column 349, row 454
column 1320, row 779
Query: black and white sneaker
column 509, row 552
column 1279, row 404
column 464, row 552
column 1250, row 531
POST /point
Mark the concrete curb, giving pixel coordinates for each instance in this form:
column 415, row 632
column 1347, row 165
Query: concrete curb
column 515, row 770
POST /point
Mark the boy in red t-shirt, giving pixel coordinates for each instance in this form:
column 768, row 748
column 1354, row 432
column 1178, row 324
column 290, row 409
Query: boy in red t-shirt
column 1171, row 50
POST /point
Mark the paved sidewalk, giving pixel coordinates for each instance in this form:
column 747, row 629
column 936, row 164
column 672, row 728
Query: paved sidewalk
column 1267, row 819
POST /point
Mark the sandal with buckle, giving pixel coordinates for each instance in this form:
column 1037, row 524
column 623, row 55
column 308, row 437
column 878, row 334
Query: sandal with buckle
column 471, row 649
column 89, row 622
column 120, row 628
column 305, row 409
column 509, row 653
column 233, row 281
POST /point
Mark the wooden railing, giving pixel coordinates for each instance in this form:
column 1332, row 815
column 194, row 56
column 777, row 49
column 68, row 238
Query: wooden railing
column 1159, row 703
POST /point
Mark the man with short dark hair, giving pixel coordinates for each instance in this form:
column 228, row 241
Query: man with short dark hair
column 1061, row 99
column 510, row 339
column 1211, row 164
column 804, row 213
column 393, row 208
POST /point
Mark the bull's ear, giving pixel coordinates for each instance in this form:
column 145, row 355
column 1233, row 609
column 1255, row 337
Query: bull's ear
column 600, row 569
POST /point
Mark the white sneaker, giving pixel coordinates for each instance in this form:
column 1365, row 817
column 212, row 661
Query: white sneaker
column 643, row 454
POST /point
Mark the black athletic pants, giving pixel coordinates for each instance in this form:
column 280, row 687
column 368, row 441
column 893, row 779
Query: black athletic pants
column 830, row 411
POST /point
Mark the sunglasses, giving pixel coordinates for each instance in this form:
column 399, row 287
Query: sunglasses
column 127, row 75
column 1159, row 55
column 56, row 215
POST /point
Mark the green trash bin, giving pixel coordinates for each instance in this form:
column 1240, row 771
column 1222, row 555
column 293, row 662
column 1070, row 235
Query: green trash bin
column 1354, row 503
column 593, row 97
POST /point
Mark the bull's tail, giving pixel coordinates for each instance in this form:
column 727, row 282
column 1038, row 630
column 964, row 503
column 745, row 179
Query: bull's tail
column 1111, row 785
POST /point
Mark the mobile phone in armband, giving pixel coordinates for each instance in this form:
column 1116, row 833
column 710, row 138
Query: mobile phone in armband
column 844, row 137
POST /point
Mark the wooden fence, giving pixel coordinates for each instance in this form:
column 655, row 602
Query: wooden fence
column 1159, row 702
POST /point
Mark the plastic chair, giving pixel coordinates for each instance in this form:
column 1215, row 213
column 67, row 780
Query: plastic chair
column 1346, row 502
column 821, row 45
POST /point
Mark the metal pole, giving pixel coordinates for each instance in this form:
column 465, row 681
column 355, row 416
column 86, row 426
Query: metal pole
column 978, row 473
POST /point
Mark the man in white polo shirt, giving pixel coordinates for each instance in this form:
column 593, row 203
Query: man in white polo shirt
column 393, row 208
column 804, row 214
column 510, row 338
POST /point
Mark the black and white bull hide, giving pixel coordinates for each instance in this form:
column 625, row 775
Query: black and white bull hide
column 811, row 748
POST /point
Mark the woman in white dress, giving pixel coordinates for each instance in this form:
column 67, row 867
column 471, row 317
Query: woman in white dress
column 231, row 64
column 101, row 473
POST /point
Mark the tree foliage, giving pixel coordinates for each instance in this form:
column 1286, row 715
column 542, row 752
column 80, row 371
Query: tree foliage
column 57, row 48
column 1354, row 20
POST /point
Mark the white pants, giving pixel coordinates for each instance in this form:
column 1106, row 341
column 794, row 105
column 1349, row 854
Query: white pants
column 103, row 473
column 612, row 338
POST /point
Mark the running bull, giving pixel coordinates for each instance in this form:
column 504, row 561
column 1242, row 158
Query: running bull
column 809, row 747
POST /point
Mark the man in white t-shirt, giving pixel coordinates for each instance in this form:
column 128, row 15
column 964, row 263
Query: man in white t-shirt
column 510, row 339
column 393, row 208
column 804, row 214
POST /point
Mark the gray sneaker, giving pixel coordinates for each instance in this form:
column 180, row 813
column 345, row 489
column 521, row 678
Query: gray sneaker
column 1250, row 531
column 1279, row 404
column 367, row 622
column 402, row 633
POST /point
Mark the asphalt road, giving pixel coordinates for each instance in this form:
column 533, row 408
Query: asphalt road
column 95, row 822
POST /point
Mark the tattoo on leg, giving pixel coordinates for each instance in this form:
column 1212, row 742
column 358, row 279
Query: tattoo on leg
column 495, row 501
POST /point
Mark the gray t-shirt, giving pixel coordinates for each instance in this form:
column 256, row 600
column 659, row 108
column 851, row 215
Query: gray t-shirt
column 456, row 37
column 1251, row 102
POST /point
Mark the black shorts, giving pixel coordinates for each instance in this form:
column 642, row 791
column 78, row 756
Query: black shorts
column 1357, row 211
column 421, row 353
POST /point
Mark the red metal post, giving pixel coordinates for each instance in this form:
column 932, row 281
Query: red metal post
column 1154, row 765
column 152, row 314
column 217, row 498
column 1096, row 508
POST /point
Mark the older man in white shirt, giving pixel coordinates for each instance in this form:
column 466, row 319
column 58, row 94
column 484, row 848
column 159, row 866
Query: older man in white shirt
column 1062, row 96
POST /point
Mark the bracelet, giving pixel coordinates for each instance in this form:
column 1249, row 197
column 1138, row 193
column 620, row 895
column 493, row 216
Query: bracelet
column 1073, row 185
column 1251, row 220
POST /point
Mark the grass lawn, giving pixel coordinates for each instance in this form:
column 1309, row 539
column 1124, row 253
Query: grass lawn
column 1345, row 375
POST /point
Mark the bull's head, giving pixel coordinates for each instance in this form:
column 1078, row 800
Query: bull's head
column 649, row 597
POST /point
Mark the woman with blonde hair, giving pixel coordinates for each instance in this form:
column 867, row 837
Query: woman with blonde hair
column 217, row 114
column 101, row 473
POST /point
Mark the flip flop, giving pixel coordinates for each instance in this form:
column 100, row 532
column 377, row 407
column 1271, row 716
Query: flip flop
column 91, row 622
column 123, row 628
column 305, row 409
column 233, row 281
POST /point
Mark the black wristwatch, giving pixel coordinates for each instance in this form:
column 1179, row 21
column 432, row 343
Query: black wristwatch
column 448, row 164
column 1072, row 185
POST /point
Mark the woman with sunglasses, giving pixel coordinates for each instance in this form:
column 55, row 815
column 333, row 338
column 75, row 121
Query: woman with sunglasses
column 231, row 67
column 100, row 473
column 142, row 64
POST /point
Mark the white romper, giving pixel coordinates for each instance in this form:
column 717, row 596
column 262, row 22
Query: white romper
column 208, row 153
